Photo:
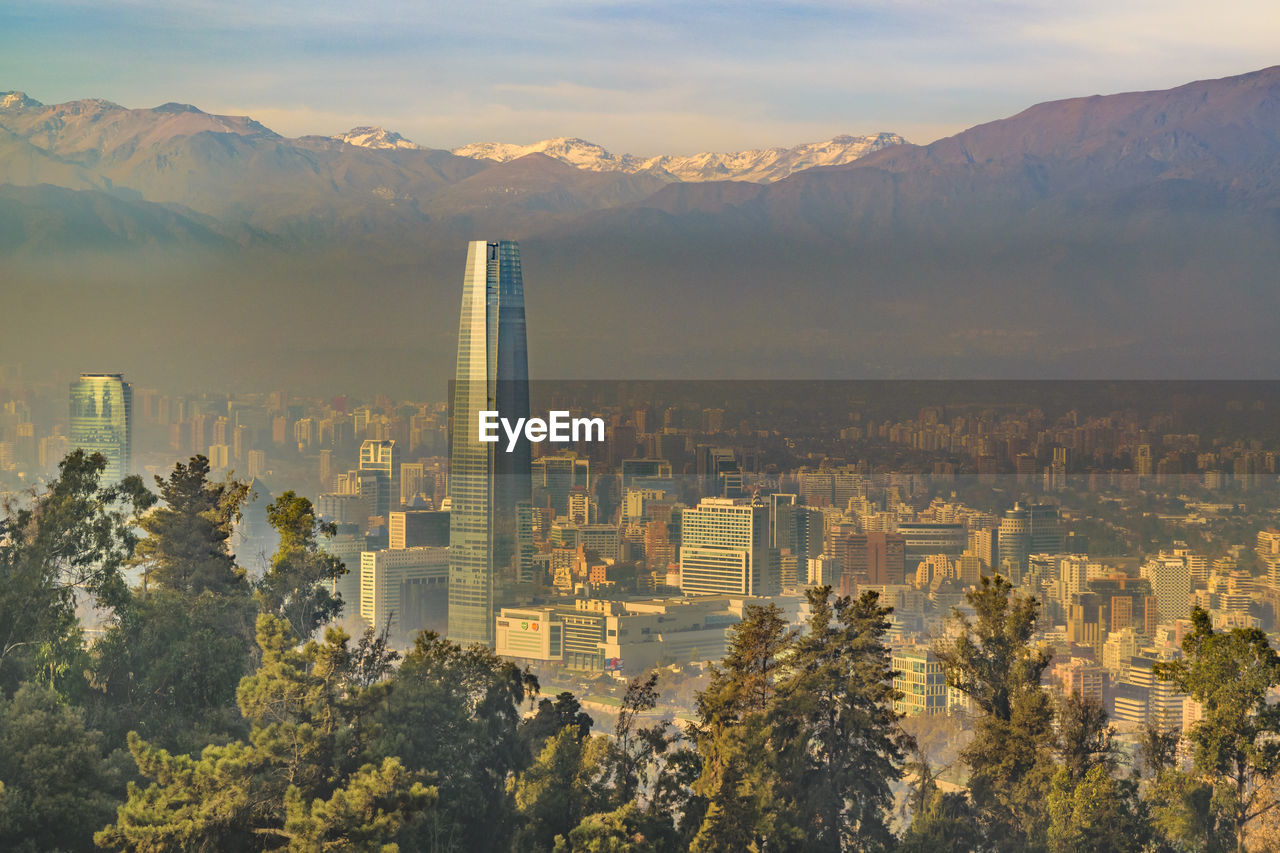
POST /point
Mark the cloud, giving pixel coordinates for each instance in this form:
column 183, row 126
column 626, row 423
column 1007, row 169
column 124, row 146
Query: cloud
column 631, row 75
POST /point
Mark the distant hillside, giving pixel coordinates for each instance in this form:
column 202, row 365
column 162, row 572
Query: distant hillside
column 1131, row 235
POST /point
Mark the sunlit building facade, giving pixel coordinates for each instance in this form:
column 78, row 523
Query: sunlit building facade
column 102, row 421
column 486, row 481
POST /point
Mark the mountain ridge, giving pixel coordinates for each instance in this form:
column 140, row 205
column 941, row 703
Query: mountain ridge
column 1133, row 235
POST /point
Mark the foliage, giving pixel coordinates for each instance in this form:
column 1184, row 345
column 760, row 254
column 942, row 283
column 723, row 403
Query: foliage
column 566, row 783
column 304, row 780
column 186, row 545
column 55, row 786
column 73, row 539
column 837, row 738
column 1011, row 755
column 1236, row 743
column 619, row 831
column 295, row 587
column 455, row 712
column 170, row 660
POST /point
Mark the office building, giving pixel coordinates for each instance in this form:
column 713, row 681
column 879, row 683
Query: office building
column 417, row 528
column 486, row 481
column 1170, row 579
column 919, row 677
column 102, row 421
column 403, row 591
column 382, row 459
column 725, row 550
column 1025, row 530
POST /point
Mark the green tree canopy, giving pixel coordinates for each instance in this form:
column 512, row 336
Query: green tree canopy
column 71, row 539
column 297, row 586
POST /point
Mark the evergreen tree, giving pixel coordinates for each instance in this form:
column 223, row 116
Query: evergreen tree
column 567, row 782
column 55, row 786
column 1010, row 758
column 455, row 713
column 550, row 718
column 174, row 652
column 733, row 733
column 186, row 547
column 619, row 831
column 295, row 588
column 307, row 779
column 837, row 739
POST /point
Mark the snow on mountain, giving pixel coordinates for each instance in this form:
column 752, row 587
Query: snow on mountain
column 17, row 101
column 375, row 137
column 761, row 165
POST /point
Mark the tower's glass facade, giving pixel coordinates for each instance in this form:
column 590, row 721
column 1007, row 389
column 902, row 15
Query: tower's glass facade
column 102, row 421
column 486, row 482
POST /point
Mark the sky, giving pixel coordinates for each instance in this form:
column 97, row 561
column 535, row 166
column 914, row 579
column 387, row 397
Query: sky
column 637, row 77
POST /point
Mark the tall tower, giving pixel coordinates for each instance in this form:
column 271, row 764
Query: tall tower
column 382, row 457
column 486, row 482
column 102, row 421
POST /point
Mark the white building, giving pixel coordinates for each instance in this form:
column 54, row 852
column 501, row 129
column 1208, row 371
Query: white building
column 404, row 590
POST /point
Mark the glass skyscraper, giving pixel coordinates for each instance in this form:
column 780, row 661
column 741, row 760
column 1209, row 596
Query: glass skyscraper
column 486, row 482
column 102, row 421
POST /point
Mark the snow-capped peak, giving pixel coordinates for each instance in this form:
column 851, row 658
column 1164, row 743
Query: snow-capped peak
column 762, row 165
column 375, row 137
column 17, row 101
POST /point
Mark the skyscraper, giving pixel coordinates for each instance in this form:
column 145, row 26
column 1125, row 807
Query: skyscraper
column 725, row 550
column 382, row 458
column 102, row 421
column 486, row 482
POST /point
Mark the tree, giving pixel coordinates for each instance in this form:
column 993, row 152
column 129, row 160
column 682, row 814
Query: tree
column 1089, row 808
column 1180, row 806
column 649, row 770
column 1011, row 755
column 55, row 786
column 294, row 587
column 186, row 546
column 837, row 737
column 1084, row 737
column 454, row 714
column 174, row 652
column 73, row 539
column 168, row 666
column 566, row 783
column 1236, row 743
column 618, row 831
column 1097, row 813
column 733, row 731
column 550, row 718
column 635, row 747
column 307, row 780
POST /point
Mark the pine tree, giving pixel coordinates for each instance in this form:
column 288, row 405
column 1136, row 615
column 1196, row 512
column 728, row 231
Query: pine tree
column 1011, row 755
column 837, row 737
column 307, row 780
column 294, row 588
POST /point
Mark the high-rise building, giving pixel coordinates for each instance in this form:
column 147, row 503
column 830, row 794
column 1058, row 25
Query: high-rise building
column 102, row 421
column 382, row 458
column 486, row 480
column 725, row 550
column 401, row 591
column 1025, row 530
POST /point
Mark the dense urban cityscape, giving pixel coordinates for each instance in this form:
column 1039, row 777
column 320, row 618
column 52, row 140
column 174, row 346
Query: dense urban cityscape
column 1118, row 510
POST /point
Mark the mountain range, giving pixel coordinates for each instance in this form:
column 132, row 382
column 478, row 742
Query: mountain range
column 1129, row 235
